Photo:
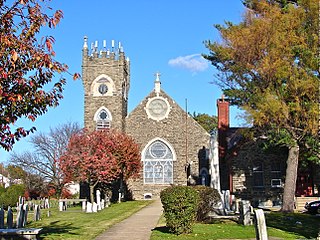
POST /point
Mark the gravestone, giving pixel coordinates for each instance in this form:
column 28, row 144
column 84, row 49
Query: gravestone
column 107, row 204
column 227, row 199
column 1, row 218
column 260, row 225
column 245, row 213
column 236, row 207
column 84, row 206
column 102, row 204
column 60, row 206
column 36, row 213
column 89, row 207
column 98, row 197
column 9, row 218
column 25, row 215
column 46, row 203
column 20, row 216
column 94, row 207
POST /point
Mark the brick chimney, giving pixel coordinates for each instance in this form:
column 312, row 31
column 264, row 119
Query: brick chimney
column 223, row 114
column 223, row 127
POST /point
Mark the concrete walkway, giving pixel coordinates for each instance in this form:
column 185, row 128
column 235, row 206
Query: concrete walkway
column 137, row 227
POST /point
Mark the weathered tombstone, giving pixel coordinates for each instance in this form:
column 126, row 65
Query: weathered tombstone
column 84, row 206
column 89, row 207
column 36, row 213
column 25, row 215
column 102, row 204
column 1, row 218
column 94, row 207
column 9, row 218
column 260, row 225
column 107, row 204
column 60, row 206
column 245, row 213
column 46, row 203
column 233, row 202
column 237, row 205
column 20, row 216
column 98, row 197
column 227, row 199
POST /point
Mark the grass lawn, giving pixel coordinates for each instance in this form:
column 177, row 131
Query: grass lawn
column 280, row 226
column 75, row 224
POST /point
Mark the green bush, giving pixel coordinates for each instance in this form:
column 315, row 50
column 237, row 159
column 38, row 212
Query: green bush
column 209, row 197
column 11, row 196
column 180, row 207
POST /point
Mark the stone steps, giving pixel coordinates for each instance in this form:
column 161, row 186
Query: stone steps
column 301, row 201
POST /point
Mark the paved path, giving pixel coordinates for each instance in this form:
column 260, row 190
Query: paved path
column 137, row 227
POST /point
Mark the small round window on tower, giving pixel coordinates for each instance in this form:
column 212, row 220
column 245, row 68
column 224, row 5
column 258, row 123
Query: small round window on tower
column 103, row 88
column 103, row 115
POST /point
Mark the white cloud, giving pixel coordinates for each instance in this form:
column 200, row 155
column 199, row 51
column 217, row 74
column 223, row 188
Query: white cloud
column 193, row 63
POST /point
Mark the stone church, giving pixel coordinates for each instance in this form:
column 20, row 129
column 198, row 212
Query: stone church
column 174, row 147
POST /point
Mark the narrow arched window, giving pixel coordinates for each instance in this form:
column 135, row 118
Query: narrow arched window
column 158, row 163
column 103, row 119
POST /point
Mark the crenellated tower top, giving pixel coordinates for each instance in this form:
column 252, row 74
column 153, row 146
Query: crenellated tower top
column 106, row 81
column 112, row 51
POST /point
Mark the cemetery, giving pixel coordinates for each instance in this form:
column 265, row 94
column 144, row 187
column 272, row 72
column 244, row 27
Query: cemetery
column 52, row 219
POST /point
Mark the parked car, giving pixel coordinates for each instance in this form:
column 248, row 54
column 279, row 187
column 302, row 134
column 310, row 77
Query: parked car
column 313, row 207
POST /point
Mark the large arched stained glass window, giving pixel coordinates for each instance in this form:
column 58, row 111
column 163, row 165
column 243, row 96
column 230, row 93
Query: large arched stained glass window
column 158, row 163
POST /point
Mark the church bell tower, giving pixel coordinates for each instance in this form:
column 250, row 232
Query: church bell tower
column 106, row 81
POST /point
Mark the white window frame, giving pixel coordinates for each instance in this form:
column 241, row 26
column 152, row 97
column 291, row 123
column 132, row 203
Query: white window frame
column 102, row 123
column 151, row 164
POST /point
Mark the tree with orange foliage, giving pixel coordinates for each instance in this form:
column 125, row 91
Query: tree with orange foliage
column 27, row 65
column 269, row 66
column 100, row 157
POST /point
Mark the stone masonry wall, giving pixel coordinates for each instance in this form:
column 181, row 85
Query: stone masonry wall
column 172, row 130
column 243, row 162
column 118, row 70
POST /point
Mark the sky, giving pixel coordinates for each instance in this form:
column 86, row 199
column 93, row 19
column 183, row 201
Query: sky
column 165, row 36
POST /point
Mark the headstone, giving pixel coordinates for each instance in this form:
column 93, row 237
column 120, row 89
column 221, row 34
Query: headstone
column 227, row 199
column 84, row 206
column 102, row 204
column 20, row 216
column 46, row 203
column 260, row 225
column 25, row 215
column 1, row 218
column 60, row 206
column 233, row 202
column 89, row 207
column 36, row 213
column 9, row 218
column 236, row 206
column 98, row 197
column 107, row 202
column 94, row 207
column 245, row 213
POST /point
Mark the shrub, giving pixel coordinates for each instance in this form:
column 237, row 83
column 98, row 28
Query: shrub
column 208, row 198
column 11, row 196
column 180, row 207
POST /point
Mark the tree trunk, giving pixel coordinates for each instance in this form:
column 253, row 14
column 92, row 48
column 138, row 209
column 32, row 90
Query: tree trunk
column 291, row 178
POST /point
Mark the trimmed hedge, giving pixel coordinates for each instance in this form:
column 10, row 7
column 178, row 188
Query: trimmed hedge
column 180, row 208
column 209, row 197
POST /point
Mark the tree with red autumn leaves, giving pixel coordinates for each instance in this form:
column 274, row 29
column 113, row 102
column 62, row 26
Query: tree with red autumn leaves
column 100, row 157
column 27, row 65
